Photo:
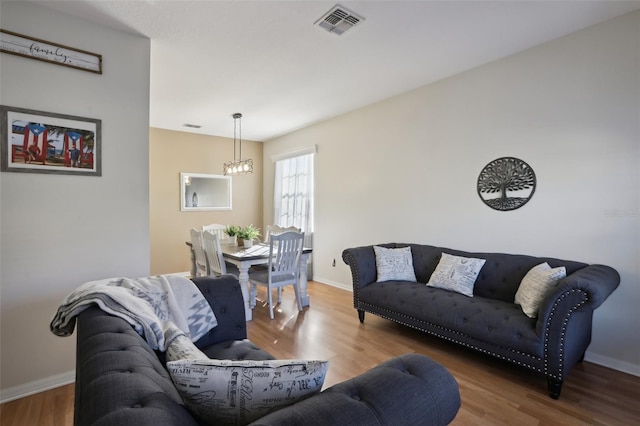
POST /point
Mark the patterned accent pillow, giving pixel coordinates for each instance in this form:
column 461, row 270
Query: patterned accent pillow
column 456, row 273
column 239, row 392
column 183, row 348
column 534, row 287
column 394, row 264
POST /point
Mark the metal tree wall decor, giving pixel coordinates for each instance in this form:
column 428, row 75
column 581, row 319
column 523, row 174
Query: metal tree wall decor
column 506, row 183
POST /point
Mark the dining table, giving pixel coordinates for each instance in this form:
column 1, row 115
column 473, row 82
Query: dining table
column 258, row 254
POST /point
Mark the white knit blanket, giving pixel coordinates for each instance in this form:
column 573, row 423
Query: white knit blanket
column 160, row 307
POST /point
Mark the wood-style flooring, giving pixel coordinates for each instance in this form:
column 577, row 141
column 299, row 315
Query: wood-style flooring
column 493, row 392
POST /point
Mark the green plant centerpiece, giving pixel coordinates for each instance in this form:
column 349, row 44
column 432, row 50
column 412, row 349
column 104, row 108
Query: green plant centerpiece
column 232, row 230
column 247, row 234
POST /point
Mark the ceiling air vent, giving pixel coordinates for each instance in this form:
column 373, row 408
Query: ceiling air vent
column 338, row 20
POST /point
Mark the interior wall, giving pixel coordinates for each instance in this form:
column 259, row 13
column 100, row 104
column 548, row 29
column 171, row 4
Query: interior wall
column 405, row 169
column 172, row 152
column 59, row 231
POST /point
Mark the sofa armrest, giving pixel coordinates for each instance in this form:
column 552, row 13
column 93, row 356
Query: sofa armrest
column 119, row 379
column 566, row 315
column 588, row 287
column 225, row 297
column 362, row 261
column 410, row 389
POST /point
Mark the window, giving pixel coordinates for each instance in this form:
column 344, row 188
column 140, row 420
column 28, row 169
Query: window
column 293, row 194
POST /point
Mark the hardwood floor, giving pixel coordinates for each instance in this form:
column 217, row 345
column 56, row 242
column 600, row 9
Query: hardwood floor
column 493, row 392
column 50, row 408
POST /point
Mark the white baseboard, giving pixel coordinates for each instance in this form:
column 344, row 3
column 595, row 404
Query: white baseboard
column 332, row 283
column 614, row 364
column 37, row 386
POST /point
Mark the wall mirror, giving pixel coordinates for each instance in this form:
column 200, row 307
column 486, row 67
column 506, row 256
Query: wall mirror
column 201, row 192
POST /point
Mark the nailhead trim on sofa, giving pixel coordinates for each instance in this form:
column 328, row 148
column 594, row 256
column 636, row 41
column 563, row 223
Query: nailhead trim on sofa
column 584, row 289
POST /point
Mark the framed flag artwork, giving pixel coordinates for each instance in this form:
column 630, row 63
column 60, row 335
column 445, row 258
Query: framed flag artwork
column 45, row 142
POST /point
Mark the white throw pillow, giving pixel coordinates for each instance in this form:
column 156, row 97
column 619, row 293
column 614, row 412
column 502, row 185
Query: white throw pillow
column 394, row 264
column 534, row 287
column 239, row 392
column 455, row 273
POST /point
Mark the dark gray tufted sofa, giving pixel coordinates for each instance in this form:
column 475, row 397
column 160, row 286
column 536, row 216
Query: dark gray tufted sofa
column 121, row 381
column 490, row 321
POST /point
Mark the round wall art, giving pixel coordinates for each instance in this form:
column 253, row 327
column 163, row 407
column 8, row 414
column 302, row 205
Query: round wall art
column 506, row 183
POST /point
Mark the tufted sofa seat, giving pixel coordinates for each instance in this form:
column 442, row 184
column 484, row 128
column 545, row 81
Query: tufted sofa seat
column 490, row 321
column 121, row 381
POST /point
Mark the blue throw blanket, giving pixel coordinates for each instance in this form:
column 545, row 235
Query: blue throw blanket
column 160, row 307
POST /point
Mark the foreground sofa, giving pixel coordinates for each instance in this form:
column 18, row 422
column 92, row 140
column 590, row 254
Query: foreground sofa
column 490, row 321
column 121, row 381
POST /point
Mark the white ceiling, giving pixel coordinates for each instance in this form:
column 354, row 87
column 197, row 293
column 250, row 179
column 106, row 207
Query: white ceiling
column 267, row 60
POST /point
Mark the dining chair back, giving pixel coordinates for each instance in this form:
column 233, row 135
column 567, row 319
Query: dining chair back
column 276, row 230
column 202, row 268
column 285, row 250
column 213, row 253
column 216, row 228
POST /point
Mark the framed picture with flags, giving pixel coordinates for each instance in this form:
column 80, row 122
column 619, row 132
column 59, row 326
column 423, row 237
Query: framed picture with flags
column 45, row 142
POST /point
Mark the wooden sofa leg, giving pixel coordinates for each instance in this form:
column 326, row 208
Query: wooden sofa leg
column 361, row 315
column 554, row 387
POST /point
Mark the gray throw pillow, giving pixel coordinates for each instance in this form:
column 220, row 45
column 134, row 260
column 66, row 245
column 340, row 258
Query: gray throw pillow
column 534, row 287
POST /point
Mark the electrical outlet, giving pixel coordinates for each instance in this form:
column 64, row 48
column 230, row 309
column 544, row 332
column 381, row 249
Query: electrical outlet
column 333, row 263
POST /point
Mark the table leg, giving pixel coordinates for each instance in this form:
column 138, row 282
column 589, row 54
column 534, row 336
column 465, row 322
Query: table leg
column 303, row 280
column 246, row 291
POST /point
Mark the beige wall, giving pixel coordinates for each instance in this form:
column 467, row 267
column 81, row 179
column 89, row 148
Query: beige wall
column 59, row 231
column 405, row 169
column 172, row 152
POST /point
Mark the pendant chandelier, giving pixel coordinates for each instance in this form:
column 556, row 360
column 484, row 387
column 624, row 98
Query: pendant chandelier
column 238, row 166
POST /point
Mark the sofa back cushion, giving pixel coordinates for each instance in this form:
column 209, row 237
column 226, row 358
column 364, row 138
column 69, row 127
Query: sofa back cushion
column 500, row 276
column 225, row 298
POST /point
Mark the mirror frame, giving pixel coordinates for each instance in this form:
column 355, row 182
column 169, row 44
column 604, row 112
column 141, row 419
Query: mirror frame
column 219, row 188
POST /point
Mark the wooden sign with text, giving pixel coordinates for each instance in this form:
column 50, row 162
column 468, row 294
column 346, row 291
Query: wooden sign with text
column 29, row 47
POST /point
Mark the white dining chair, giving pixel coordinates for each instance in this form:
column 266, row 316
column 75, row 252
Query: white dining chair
column 216, row 228
column 274, row 230
column 202, row 268
column 213, row 253
column 284, row 257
